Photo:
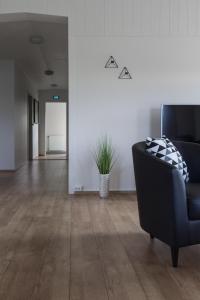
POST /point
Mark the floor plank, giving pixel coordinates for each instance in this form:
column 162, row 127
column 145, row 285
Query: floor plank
column 87, row 277
column 121, row 279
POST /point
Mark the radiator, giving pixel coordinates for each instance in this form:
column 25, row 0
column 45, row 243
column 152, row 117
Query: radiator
column 56, row 143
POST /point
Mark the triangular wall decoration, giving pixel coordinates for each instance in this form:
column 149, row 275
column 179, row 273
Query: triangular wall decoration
column 125, row 74
column 111, row 63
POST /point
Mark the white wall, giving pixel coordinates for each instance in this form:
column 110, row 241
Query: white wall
column 44, row 97
column 21, row 120
column 35, row 137
column 23, row 87
column 14, row 89
column 7, row 124
column 56, row 125
column 157, row 40
column 159, row 43
column 164, row 70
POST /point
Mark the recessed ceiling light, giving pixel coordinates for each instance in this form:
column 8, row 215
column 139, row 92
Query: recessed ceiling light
column 54, row 85
column 48, row 72
column 36, row 39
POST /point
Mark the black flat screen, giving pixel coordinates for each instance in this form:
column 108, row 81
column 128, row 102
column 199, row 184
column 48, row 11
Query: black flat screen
column 181, row 122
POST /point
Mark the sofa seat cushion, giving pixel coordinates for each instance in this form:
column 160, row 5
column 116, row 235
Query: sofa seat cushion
column 193, row 198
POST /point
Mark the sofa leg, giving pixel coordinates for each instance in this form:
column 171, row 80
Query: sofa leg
column 174, row 254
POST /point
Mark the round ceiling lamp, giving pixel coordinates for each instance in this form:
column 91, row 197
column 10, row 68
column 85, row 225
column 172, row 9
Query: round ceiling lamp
column 36, row 39
column 48, row 72
column 54, row 85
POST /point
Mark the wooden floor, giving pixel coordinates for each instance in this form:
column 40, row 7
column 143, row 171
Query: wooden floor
column 82, row 248
column 52, row 156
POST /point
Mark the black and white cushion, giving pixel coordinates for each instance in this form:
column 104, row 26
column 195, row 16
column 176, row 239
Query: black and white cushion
column 164, row 149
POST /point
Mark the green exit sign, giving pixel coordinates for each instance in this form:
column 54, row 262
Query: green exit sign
column 55, row 98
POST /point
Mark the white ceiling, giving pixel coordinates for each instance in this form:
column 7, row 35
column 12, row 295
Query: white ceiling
column 15, row 33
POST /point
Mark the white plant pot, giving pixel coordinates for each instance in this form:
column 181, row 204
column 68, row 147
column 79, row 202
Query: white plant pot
column 104, row 180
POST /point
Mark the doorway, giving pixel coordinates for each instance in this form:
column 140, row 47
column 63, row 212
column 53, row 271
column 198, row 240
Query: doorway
column 56, row 130
column 33, row 128
column 36, row 46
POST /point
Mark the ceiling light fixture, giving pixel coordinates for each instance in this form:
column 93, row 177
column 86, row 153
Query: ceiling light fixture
column 54, row 85
column 36, row 39
column 48, row 72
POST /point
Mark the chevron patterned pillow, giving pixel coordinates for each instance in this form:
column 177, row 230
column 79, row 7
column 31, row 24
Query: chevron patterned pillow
column 164, row 149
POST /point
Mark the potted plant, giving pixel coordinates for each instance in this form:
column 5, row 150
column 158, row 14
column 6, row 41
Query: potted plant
column 104, row 158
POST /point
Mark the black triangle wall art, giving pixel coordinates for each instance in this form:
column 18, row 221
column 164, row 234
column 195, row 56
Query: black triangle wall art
column 111, row 63
column 125, row 74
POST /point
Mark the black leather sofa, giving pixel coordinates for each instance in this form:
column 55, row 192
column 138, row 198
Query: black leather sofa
column 169, row 209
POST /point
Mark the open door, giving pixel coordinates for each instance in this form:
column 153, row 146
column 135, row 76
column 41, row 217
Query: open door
column 56, row 131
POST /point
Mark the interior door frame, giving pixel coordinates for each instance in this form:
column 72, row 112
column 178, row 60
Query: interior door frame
column 30, row 127
column 66, row 124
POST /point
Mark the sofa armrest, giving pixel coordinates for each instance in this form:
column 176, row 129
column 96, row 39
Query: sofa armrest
column 161, row 198
column 191, row 154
